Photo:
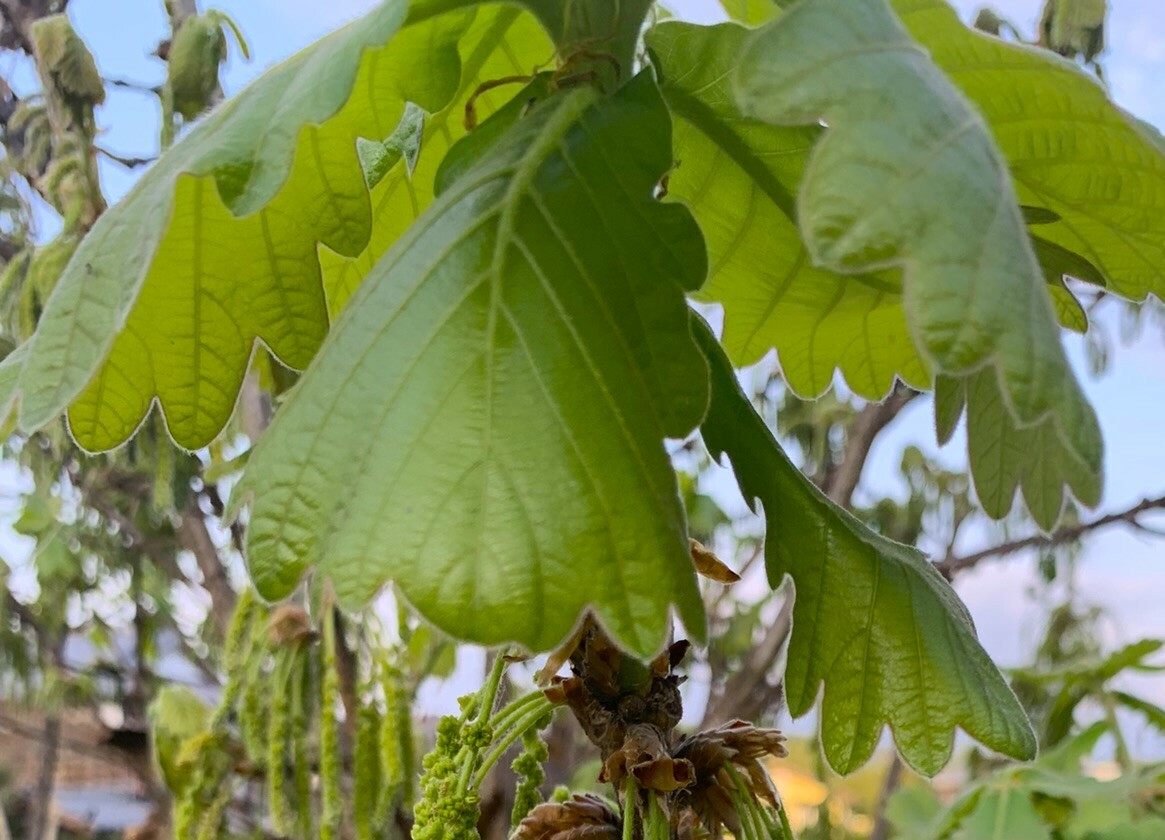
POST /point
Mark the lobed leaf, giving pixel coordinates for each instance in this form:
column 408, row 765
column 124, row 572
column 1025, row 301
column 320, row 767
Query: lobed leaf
column 907, row 175
column 484, row 424
column 873, row 621
column 215, row 249
column 1098, row 170
column 501, row 42
column 740, row 176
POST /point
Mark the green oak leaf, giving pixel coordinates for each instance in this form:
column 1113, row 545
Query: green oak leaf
column 378, row 157
column 1070, row 150
column 1004, row 813
column 873, row 620
column 740, row 177
column 907, row 175
column 501, row 42
column 215, row 249
column 1004, row 456
column 484, row 423
column 10, row 380
column 750, row 12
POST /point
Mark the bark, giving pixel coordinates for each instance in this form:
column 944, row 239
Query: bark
column 843, row 479
column 42, row 815
column 195, row 538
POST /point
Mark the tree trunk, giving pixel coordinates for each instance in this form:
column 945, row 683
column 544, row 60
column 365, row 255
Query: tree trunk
column 42, row 815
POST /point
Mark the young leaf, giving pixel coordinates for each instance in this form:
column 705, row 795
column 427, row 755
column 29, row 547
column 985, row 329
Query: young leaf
column 872, row 621
column 740, row 176
column 1071, row 151
column 907, row 175
column 484, row 424
column 215, row 247
column 501, row 42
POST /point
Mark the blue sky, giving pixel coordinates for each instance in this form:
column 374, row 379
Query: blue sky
column 1122, row 570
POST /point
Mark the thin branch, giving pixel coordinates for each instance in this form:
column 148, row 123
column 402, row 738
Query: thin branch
column 127, row 162
column 748, row 692
column 890, row 783
column 843, row 479
column 129, row 84
column 953, row 565
column 195, row 538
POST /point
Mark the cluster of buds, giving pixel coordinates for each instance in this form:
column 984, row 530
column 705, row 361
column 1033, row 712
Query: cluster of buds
column 669, row 786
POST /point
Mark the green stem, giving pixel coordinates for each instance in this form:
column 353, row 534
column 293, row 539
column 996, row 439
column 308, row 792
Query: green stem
column 745, row 807
column 486, row 699
column 629, row 805
column 507, row 741
column 657, row 826
column 517, row 709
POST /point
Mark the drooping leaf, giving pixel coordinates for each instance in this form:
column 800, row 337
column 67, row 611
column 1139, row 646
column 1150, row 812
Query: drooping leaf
column 484, row 424
column 215, row 247
column 1071, row 150
column 1005, row 456
column 872, row 621
column 908, row 175
column 501, row 42
column 740, row 177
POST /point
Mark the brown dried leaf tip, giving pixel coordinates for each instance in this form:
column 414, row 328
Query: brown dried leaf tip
column 711, row 566
column 580, row 818
column 289, row 625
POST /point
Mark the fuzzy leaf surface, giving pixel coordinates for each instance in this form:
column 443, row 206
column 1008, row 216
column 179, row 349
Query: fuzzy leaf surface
column 873, row 622
column 907, row 175
column 484, row 424
column 740, row 177
column 1100, row 171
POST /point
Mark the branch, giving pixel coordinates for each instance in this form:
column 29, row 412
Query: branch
column 195, row 538
column 843, row 479
column 953, row 565
column 127, row 162
column 748, row 693
column 139, row 87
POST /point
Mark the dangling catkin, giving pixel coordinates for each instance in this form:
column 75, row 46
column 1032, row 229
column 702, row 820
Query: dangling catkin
column 329, row 734
column 278, row 730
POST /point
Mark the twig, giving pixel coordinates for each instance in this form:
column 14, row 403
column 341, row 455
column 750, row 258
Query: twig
column 953, row 565
column 890, row 783
column 843, row 479
column 127, row 162
column 129, row 84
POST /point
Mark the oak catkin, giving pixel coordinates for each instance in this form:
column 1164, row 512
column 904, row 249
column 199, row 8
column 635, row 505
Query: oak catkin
column 329, row 734
column 278, row 731
column 301, row 756
column 366, row 775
